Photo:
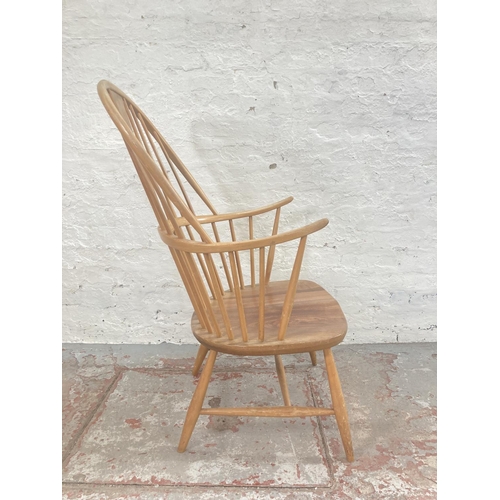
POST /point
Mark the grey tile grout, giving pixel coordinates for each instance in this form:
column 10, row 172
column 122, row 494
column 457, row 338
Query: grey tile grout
column 73, row 442
column 161, row 487
column 329, row 459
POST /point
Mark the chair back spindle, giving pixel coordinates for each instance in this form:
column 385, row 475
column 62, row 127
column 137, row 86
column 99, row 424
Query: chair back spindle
column 166, row 181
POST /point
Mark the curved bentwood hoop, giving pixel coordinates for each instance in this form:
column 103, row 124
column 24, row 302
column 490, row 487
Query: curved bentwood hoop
column 237, row 308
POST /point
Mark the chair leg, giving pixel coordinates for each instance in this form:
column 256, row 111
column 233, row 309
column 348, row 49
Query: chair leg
column 200, row 357
column 196, row 403
column 313, row 358
column 339, row 404
column 282, row 378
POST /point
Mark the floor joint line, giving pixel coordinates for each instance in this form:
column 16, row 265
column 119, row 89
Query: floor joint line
column 73, row 442
column 329, row 459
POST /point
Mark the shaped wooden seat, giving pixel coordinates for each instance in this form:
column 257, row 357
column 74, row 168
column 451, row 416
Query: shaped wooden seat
column 237, row 308
column 316, row 322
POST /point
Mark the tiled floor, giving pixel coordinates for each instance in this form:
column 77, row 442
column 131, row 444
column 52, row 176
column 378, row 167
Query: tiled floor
column 124, row 406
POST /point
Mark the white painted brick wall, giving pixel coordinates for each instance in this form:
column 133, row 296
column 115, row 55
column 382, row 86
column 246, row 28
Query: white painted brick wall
column 340, row 95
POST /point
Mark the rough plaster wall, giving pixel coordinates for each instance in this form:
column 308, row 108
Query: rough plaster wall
column 333, row 102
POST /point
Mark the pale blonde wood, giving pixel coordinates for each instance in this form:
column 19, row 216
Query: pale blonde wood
column 158, row 139
column 151, row 142
column 339, row 404
column 134, row 138
column 181, row 186
column 235, row 246
column 238, row 263
column 141, row 127
column 252, row 259
column 137, row 122
column 219, row 298
column 167, row 210
column 188, row 283
column 200, row 357
column 292, row 287
column 105, row 89
column 209, row 219
column 202, row 265
column 264, row 318
column 282, row 379
column 218, row 285
column 262, row 293
column 222, row 258
column 145, row 179
column 170, row 154
column 192, row 273
column 196, row 402
column 313, row 358
column 272, row 248
column 197, row 301
column 121, row 106
column 152, row 199
column 180, row 205
column 269, row 411
column 239, row 302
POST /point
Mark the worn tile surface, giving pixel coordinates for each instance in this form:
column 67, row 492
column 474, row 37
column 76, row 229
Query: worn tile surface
column 128, row 405
column 391, row 397
column 86, row 377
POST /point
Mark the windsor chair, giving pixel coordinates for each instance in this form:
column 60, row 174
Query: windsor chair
column 233, row 314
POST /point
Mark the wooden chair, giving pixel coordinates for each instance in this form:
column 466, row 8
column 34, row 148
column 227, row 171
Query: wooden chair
column 233, row 313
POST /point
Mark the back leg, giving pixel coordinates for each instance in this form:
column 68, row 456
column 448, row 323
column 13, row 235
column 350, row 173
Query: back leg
column 282, row 379
column 196, row 403
column 313, row 358
column 202, row 352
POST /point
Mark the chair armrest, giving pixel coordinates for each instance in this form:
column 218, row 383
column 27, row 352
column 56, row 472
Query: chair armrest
column 236, row 246
column 207, row 219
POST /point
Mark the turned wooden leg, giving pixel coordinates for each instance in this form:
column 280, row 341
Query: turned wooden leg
column 282, row 378
column 200, row 357
column 196, row 403
column 313, row 357
column 339, row 404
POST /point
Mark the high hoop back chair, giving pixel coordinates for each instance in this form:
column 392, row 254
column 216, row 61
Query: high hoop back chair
column 233, row 313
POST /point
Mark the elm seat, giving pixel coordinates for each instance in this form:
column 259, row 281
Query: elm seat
column 314, row 310
column 238, row 310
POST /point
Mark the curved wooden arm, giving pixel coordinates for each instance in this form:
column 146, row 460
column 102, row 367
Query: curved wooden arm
column 236, row 246
column 207, row 219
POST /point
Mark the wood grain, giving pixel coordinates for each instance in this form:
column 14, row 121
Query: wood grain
column 280, row 369
column 270, row 411
column 339, row 404
column 196, row 403
column 316, row 321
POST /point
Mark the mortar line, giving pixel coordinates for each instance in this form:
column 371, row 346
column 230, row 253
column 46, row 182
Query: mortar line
column 72, row 444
